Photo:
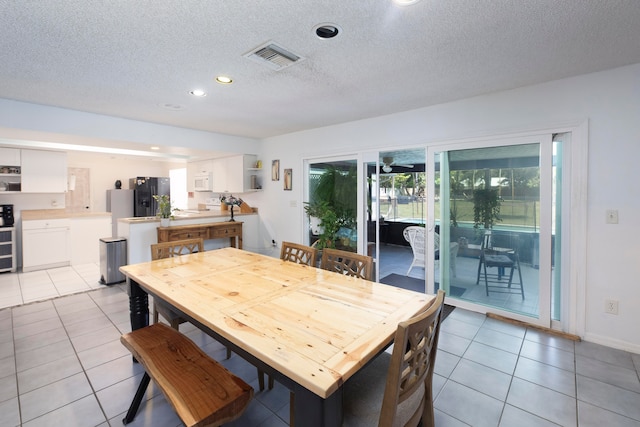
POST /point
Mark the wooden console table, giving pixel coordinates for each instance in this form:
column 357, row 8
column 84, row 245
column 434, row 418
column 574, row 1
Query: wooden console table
column 214, row 230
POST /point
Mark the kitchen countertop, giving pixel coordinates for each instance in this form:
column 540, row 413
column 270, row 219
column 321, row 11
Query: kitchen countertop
column 38, row 214
column 187, row 214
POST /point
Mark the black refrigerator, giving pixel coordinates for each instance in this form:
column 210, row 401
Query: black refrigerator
column 144, row 188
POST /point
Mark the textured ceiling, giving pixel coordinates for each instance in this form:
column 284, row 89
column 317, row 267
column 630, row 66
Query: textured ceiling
column 127, row 58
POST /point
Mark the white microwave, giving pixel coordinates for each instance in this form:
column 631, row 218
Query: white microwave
column 203, row 182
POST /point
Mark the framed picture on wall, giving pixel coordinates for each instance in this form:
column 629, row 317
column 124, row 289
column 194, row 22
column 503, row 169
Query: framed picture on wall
column 288, row 176
column 275, row 170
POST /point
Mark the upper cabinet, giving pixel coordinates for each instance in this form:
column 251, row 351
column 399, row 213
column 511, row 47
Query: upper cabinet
column 195, row 170
column 10, row 169
column 9, row 157
column 44, row 171
column 233, row 174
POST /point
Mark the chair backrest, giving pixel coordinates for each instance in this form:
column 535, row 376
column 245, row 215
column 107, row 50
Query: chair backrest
column 492, row 241
column 408, row 395
column 176, row 248
column 349, row 263
column 415, row 235
column 299, row 254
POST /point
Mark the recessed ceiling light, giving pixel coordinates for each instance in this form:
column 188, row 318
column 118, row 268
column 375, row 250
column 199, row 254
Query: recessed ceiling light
column 198, row 92
column 155, row 148
column 327, row 31
column 224, row 80
column 405, row 2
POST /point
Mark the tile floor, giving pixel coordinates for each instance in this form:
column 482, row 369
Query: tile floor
column 396, row 259
column 61, row 363
column 21, row 288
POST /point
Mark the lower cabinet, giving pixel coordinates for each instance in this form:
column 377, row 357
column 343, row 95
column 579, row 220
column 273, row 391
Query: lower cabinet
column 7, row 249
column 61, row 242
column 86, row 232
column 46, row 244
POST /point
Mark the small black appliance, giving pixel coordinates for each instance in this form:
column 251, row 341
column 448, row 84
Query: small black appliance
column 6, row 215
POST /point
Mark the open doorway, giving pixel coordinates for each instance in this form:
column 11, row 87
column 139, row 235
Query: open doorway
column 399, row 190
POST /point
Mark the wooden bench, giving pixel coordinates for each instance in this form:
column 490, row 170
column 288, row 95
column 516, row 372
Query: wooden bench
column 202, row 391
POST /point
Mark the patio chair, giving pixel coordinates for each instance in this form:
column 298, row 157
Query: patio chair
column 501, row 258
column 415, row 235
column 398, row 391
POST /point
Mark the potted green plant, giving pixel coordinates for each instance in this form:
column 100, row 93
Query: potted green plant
column 332, row 205
column 165, row 211
column 486, row 208
column 315, row 211
column 330, row 226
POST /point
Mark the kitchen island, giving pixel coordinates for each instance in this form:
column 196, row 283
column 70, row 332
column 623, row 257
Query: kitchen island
column 142, row 232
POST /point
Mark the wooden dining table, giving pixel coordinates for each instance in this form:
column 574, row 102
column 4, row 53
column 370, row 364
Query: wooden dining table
column 311, row 329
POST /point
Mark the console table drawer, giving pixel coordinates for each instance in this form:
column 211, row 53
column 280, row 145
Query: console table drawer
column 188, row 234
column 218, row 233
column 215, row 230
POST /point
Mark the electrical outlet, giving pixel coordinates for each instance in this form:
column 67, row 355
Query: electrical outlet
column 611, row 306
column 273, row 243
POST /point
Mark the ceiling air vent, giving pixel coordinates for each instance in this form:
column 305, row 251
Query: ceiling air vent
column 274, row 56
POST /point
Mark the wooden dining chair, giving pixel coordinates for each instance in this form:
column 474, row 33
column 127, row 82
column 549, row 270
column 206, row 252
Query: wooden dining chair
column 397, row 390
column 300, row 254
column 168, row 250
column 348, row 263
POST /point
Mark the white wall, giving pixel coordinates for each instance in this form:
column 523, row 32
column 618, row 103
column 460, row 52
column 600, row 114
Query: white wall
column 106, row 169
column 609, row 100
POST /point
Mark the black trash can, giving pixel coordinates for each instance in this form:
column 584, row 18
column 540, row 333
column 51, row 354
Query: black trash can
column 113, row 255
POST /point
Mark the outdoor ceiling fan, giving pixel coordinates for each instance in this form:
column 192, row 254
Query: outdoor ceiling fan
column 388, row 162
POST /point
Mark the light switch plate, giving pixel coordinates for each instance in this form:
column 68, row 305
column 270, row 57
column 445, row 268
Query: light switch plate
column 612, row 216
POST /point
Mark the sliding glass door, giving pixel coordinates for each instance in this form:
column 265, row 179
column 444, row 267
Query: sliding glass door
column 332, row 204
column 491, row 233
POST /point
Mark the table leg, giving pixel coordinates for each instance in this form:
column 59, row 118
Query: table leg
column 138, row 305
column 313, row 411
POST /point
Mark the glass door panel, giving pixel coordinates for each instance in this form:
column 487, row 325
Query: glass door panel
column 332, row 206
column 401, row 186
column 491, row 216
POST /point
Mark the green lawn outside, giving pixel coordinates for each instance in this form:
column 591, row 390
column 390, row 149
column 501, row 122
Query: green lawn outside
column 513, row 212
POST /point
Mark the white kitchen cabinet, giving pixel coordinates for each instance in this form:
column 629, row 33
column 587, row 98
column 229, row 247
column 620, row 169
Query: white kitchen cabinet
column 9, row 157
column 233, row 174
column 44, row 171
column 194, row 169
column 86, row 232
column 10, row 169
column 46, row 244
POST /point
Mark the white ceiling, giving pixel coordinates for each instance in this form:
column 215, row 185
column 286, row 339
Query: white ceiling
column 126, row 58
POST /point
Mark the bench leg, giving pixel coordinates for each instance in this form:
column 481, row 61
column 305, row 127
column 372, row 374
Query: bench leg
column 137, row 399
